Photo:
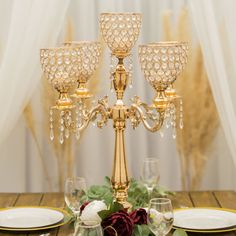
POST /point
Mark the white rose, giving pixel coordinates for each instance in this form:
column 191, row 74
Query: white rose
column 90, row 212
column 156, row 216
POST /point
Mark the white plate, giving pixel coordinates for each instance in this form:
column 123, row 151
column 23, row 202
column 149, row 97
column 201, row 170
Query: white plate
column 204, row 219
column 29, row 217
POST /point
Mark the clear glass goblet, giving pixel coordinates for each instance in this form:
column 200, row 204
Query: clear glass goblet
column 150, row 174
column 88, row 228
column 75, row 188
column 160, row 216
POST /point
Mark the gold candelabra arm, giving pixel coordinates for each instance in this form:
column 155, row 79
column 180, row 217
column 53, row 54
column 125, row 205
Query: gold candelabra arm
column 101, row 109
column 141, row 112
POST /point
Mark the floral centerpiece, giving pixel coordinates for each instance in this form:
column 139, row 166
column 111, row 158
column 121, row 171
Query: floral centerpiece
column 98, row 206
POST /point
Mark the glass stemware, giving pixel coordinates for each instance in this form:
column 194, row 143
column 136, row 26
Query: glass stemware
column 88, row 228
column 150, row 173
column 75, row 188
column 160, row 216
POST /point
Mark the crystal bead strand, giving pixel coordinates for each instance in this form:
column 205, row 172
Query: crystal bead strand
column 181, row 119
column 173, row 119
column 68, row 118
column 61, row 128
column 51, row 125
column 79, row 118
column 130, row 69
column 167, row 117
column 77, row 113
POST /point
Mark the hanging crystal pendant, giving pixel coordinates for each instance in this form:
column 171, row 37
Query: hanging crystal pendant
column 79, row 114
column 61, row 138
column 68, row 118
column 67, row 133
column 167, row 117
column 51, row 134
column 172, row 115
column 51, row 125
column 77, row 135
column 173, row 119
column 130, row 69
column 174, row 133
column 61, row 128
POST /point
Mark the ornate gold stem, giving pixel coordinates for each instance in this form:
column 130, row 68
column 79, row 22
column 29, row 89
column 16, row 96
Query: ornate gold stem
column 120, row 179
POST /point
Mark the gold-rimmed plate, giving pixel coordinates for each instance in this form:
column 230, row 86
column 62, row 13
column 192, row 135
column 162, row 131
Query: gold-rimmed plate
column 32, row 218
column 205, row 219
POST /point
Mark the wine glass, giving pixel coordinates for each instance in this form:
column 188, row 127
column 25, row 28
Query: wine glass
column 150, row 173
column 75, row 188
column 88, row 228
column 160, row 216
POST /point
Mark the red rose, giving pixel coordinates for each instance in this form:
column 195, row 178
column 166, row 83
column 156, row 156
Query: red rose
column 118, row 223
column 139, row 216
column 83, row 206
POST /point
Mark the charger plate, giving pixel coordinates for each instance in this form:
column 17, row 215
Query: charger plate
column 205, row 219
column 32, row 218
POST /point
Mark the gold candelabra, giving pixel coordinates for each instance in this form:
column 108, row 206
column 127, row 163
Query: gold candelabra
column 74, row 63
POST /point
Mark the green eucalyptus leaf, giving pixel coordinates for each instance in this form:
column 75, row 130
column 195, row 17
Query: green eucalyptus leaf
column 142, row 230
column 104, row 214
column 115, row 206
column 107, row 181
column 180, row 232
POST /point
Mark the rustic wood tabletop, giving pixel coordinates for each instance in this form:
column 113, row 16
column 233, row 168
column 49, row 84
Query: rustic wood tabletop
column 225, row 199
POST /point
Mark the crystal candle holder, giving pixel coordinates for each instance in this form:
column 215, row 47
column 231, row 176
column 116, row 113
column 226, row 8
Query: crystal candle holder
column 61, row 67
column 120, row 30
column 162, row 62
column 88, row 58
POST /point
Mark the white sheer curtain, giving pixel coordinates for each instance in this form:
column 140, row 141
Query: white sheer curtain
column 27, row 26
column 215, row 26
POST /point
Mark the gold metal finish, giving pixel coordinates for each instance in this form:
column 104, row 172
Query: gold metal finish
column 82, row 91
column 120, row 80
column 76, row 61
column 64, row 102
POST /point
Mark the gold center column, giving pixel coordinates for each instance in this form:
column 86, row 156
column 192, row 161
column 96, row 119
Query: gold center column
column 120, row 178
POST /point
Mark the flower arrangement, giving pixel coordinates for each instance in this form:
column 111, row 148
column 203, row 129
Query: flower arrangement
column 115, row 220
column 98, row 206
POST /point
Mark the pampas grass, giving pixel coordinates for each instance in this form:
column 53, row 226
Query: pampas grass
column 200, row 114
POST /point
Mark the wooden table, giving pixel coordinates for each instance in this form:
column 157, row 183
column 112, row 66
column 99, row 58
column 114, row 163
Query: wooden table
column 226, row 199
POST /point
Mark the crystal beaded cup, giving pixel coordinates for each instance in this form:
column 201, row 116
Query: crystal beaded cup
column 60, row 66
column 162, row 62
column 120, row 30
column 88, row 57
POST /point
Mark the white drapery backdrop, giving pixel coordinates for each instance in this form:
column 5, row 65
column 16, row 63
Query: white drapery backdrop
column 28, row 26
column 95, row 152
column 215, row 26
